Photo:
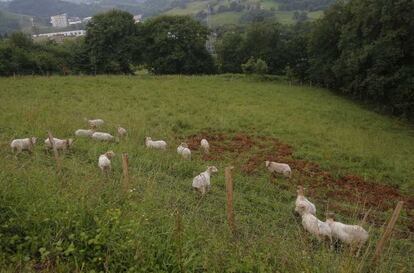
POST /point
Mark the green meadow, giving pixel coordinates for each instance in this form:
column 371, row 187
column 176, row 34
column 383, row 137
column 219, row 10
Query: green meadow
column 78, row 220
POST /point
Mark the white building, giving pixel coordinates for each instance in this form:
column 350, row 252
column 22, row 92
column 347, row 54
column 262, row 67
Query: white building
column 59, row 20
column 86, row 19
column 138, row 18
column 71, row 33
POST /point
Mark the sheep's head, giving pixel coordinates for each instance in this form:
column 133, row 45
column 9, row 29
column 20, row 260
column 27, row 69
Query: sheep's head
column 69, row 142
column 330, row 217
column 33, row 140
column 212, row 169
column 300, row 190
column 267, row 163
column 148, row 139
column 110, row 154
column 183, row 144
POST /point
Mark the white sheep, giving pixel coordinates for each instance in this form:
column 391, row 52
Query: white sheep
column 104, row 161
column 350, row 234
column 202, row 181
column 281, row 168
column 205, row 146
column 25, row 144
column 155, row 144
column 84, row 132
column 313, row 225
column 302, row 200
column 102, row 136
column 60, row 144
column 93, row 123
column 121, row 131
column 184, row 151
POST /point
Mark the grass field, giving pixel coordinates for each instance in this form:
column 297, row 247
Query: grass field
column 77, row 220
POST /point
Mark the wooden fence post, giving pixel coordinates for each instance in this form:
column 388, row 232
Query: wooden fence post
column 125, row 163
column 229, row 190
column 388, row 231
column 55, row 151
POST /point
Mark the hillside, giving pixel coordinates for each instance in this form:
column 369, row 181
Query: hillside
column 223, row 12
column 77, row 220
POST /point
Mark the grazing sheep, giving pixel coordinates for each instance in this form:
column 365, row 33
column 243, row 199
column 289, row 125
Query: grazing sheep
column 313, row 225
column 280, row 168
column 184, row 151
column 25, row 144
column 60, row 144
column 353, row 235
column 202, row 181
column 121, row 131
column 103, row 136
column 104, row 161
column 84, row 133
column 155, row 144
column 93, row 123
column 205, row 146
column 302, row 200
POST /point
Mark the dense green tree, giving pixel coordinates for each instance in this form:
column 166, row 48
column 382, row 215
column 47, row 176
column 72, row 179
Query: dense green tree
column 265, row 41
column 365, row 49
column 323, row 45
column 111, row 42
column 230, row 52
column 176, row 45
column 297, row 39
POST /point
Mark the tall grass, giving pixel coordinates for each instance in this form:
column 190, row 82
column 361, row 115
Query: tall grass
column 80, row 221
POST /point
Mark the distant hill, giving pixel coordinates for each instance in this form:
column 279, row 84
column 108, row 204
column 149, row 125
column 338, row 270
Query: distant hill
column 239, row 12
column 220, row 12
column 47, row 8
column 10, row 22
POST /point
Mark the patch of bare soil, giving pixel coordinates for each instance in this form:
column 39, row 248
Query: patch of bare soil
column 249, row 153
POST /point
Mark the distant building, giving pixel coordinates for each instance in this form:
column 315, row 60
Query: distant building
column 138, row 18
column 86, row 19
column 59, row 20
column 59, row 36
column 74, row 21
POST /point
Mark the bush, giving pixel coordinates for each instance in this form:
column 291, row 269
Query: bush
column 253, row 66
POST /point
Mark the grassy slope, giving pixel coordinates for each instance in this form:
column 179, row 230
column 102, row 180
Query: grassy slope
column 284, row 17
column 81, row 217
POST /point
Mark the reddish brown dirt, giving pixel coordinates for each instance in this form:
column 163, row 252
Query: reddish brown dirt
column 249, row 153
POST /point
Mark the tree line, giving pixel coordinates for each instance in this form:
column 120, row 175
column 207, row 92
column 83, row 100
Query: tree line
column 364, row 49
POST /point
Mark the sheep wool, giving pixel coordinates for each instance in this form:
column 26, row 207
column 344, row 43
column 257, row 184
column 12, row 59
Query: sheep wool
column 84, row 132
column 184, row 151
column 302, row 200
column 155, row 144
column 313, row 225
column 349, row 234
column 104, row 161
column 202, row 181
column 25, row 144
column 122, row 131
column 279, row 168
column 205, row 145
column 103, row 136
column 60, row 144
column 95, row 122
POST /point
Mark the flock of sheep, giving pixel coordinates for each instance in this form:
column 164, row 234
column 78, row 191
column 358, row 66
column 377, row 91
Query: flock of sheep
column 353, row 235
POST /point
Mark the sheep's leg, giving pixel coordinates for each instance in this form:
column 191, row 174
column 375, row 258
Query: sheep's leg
column 203, row 190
